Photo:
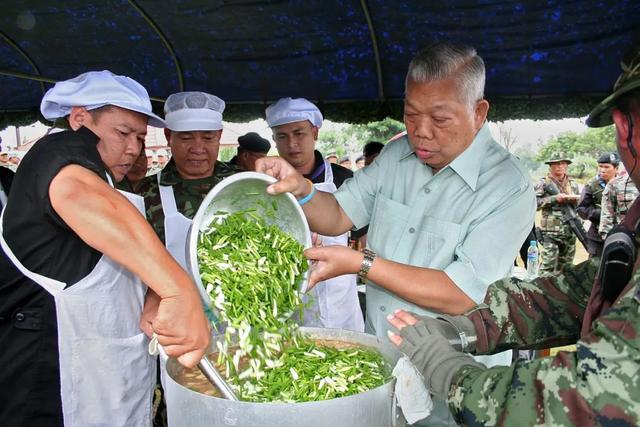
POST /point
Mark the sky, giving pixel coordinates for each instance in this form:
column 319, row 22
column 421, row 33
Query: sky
column 528, row 133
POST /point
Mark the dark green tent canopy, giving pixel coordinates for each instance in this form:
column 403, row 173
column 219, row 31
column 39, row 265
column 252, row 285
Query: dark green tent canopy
column 549, row 59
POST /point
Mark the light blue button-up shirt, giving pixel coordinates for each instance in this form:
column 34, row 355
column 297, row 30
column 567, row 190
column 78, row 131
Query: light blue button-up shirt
column 468, row 220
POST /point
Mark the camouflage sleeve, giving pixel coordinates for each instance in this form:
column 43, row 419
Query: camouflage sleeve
column 153, row 205
column 596, row 385
column 542, row 313
column 607, row 215
column 544, row 199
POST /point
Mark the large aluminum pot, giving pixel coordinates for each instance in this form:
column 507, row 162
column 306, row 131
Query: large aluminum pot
column 246, row 190
column 372, row 408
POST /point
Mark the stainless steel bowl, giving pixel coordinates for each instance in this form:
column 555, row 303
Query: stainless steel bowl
column 244, row 191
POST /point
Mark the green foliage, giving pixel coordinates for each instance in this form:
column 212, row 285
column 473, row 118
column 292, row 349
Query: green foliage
column 591, row 144
column 226, row 153
column 350, row 138
column 583, row 149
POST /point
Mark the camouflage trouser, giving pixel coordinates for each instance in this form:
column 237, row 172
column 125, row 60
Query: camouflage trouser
column 557, row 252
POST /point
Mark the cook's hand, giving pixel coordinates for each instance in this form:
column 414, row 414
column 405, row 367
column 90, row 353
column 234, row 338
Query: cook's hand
column 182, row 327
column 332, row 261
column 289, row 180
column 316, row 240
column 149, row 312
column 429, row 351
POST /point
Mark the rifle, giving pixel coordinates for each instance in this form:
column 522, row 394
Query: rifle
column 569, row 215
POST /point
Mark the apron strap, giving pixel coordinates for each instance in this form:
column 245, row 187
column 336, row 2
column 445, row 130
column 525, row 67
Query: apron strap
column 167, row 199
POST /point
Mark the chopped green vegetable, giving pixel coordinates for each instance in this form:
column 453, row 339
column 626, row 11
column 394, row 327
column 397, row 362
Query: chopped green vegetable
column 252, row 272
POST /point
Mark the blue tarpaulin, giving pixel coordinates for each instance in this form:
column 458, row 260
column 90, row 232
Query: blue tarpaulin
column 350, row 56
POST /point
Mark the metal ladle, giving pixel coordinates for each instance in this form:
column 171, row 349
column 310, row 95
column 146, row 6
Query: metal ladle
column 206, row 367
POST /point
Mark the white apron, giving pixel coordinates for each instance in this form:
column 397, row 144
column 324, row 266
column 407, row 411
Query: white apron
column 335, row 302
column 106, row 374
column 176, row 226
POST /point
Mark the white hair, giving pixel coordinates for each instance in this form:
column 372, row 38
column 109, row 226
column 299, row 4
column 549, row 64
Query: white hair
column 441, row 61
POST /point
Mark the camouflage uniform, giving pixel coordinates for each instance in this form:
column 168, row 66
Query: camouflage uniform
column 589, row 208
column 596, row 385
column 188, row 193
column 618, row 195
column 559, row 243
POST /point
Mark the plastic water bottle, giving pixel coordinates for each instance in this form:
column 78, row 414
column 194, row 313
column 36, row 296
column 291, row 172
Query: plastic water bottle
column 532, row 260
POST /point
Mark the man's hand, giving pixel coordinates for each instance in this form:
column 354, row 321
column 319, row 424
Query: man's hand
column 289, row 180
column 567, row 198
column 182, row 327
column 332, row 261
column 429, row 350
column 149, row 312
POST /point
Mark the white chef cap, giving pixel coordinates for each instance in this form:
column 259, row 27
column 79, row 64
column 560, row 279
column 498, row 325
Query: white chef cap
column 190, row 111
column 96, row 89
column 288, row 110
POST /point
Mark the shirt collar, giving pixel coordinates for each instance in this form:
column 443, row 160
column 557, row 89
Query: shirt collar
column 87, row 135
column 467, row 164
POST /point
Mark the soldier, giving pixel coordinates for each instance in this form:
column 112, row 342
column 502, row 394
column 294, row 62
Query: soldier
column 163, row 158
column 332, row 157
column 371, row 150
column 617, row 197
column 251, row 147
column 596, row 385
column 172, row 197
column 589, row 206
column 559, row 242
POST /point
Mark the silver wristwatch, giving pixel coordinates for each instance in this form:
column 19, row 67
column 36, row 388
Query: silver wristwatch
column 367, row 262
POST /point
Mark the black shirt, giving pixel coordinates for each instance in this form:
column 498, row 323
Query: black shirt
column 34, row 231
column 30, row 377
column 340, row 173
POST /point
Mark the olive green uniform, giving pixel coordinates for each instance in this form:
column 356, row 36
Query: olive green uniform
column 559, row 244
column 189, row 193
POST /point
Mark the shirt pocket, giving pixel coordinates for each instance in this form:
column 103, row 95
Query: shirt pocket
column 437, row 242
column 387, row 224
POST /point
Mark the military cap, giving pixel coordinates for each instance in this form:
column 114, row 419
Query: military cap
column 611, row 158
column 372, row 147
column 254, row 142
column 558, row 157
column 628, row 81
column 332, row 154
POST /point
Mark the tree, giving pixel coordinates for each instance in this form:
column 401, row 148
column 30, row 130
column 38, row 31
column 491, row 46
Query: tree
column 591, row 144
column 350, row 138
column 505, row 137
column 583, row 149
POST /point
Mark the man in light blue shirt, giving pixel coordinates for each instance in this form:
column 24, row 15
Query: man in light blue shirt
column 447, row 207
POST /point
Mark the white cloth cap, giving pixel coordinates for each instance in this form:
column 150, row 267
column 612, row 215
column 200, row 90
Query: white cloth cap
column 288, row 110
column 187, row 111
column 96, row 89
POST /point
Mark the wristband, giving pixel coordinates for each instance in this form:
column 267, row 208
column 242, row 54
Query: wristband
column 309, row 196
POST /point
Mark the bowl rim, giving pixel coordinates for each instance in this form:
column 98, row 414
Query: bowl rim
column 192, row 254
